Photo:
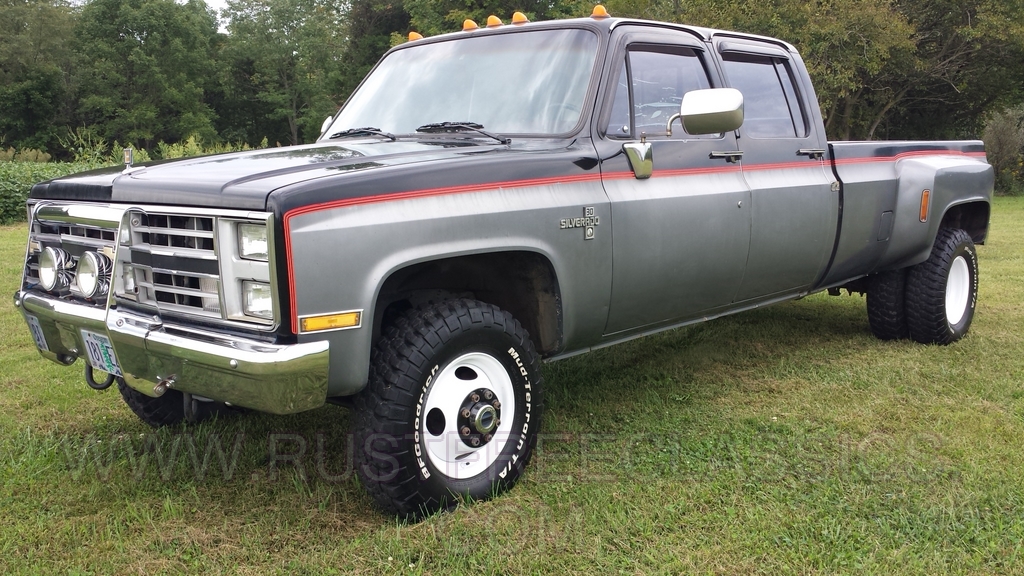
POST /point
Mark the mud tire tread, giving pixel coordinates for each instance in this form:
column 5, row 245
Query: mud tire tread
column 926, row 290
column 387, row 404
column 886, row 309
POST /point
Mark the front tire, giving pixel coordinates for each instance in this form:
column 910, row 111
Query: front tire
column 942, row 291
column 168, row 409
column 452, row 408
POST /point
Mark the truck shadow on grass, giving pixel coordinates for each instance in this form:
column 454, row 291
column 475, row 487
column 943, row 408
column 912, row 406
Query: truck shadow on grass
column 697, row 363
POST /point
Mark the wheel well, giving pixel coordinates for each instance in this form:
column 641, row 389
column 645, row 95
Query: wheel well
column 972, row 217
column 523, row 283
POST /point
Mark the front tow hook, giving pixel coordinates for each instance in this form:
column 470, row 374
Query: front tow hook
column 91, row 380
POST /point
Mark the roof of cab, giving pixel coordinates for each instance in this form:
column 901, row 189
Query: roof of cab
column 605, row 24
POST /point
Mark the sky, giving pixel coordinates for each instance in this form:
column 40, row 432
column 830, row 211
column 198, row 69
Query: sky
column 218, row 5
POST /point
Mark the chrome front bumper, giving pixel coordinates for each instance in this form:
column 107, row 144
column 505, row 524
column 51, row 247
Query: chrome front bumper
column 265, row 377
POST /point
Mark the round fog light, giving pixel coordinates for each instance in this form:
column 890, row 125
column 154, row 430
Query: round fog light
column 55, row 267
column 93, row 277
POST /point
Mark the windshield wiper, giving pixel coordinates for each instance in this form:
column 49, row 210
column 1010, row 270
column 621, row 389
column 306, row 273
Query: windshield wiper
column 437, row 127
column 369, row 130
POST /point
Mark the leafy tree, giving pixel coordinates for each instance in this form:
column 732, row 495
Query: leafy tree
column 145, row 67
column 284, row 57
column 35, row 69
column 968, row 61
column 370, row 27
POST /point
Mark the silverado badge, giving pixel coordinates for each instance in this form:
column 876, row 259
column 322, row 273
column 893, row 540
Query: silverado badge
column 588, row 222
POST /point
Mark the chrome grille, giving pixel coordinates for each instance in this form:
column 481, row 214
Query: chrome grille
column 192, row 232
column 182, row 241
column 169, row 263
column 179, row 292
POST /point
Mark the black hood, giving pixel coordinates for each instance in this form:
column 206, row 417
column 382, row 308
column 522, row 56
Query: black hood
column 243, row 180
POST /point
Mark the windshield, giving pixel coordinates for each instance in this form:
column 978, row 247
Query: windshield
column 523, row 83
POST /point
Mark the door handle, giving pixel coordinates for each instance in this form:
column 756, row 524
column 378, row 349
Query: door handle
column 730, row 155
column 812, row 153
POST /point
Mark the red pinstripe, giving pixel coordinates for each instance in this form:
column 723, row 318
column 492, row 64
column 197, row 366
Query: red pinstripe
column 467, row 188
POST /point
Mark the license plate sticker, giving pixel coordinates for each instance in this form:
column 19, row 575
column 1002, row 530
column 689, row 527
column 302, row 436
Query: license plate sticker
column 101, row 353
column 37, row 332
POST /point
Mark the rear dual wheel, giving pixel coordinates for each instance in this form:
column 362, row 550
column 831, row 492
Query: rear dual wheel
column 942, row 292
column 932, row 302
column 451, row 410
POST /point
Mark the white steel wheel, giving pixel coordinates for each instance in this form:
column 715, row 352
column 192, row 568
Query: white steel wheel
column 451, row 410
column 958, row 290
column 462, row 429
column 941, row 293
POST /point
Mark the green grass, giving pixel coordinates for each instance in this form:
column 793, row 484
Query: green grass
column 784, row 440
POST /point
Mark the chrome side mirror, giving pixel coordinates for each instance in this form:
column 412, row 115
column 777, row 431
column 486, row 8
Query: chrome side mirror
column 641, row 158
column 326, row 125
column 710, row 111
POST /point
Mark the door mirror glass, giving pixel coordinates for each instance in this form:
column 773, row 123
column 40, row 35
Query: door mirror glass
column 326, row 124
column 711, row 111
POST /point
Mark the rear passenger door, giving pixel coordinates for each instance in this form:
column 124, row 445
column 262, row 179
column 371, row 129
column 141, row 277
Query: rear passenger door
column 680, row 237
column 794, row 211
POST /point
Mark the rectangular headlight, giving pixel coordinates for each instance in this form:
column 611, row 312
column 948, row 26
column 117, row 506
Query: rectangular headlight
column 252, row 242
column 258, row 300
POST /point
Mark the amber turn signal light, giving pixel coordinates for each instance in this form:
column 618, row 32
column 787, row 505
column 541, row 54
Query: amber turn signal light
column 330, row 321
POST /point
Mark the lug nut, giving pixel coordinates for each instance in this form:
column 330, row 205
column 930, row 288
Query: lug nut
column 474, row 397
column 488, row 437
column 496, row 404
column 488, row 395
column 465, row 412
column 474, row 441
column 497, row 422
column 464, row 431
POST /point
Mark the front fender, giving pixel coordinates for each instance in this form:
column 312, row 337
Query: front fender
column 341, row 257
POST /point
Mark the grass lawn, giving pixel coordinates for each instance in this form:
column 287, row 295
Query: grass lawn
column 784, row 440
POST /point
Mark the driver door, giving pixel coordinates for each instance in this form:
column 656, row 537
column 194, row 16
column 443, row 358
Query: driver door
column 680, row 237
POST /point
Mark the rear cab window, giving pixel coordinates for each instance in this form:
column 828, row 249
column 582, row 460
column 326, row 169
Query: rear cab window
column 772, row 106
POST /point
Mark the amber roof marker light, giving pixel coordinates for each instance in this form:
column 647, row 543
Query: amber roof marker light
column 519, row 18
column 469, row 25
column 493, row 21
column 415, row 36
column 600, row 12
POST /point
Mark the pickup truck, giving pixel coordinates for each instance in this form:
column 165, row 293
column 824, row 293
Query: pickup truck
column 484, row 200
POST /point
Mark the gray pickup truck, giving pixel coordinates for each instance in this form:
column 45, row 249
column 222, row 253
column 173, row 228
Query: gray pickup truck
column 484, row 200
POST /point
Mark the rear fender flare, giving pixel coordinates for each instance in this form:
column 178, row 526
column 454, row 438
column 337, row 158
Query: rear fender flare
column 951, row 181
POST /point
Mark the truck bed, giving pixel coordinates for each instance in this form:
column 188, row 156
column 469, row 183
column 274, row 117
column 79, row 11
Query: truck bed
column 880, row 199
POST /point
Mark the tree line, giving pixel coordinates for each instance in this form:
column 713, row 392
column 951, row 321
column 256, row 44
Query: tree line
column 151, row 71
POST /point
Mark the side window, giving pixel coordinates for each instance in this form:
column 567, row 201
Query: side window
column 656, row 78
column 619, row 123
column 771, row 103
